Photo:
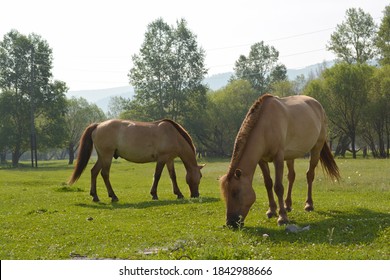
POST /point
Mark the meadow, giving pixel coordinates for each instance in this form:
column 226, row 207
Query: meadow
column 43, row 218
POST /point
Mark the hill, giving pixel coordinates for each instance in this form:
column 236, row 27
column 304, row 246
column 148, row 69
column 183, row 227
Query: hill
column 101, row 97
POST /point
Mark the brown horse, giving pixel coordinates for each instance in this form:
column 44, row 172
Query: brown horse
column 139, row 142
column 275, row 130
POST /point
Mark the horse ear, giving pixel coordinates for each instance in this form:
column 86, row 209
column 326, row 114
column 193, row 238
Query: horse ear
column 201, row 166
column 237, row 173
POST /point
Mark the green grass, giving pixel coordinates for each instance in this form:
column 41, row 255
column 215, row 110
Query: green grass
column 43, row 218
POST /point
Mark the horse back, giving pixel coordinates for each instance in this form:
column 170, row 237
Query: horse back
column 295, row 123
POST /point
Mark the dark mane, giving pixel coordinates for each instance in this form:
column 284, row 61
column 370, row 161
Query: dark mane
column 182, row 132
column 247, row 125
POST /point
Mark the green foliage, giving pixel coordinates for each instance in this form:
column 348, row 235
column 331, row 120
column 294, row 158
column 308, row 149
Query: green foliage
column 377, row 114
column 354, row 39
column 28, row 93
column 343, row 91
column 167, row 72
column 226, row 108
column 383, row 37
column 79, row 115
column 42, row 218
column 261, row 67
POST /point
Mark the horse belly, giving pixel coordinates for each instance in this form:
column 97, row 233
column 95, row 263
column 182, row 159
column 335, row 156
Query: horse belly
column 137, row 151
column 297, row 147
column 145, row 149
column 138, row 156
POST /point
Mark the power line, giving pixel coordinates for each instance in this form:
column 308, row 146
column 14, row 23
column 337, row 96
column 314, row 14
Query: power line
column 273, row 40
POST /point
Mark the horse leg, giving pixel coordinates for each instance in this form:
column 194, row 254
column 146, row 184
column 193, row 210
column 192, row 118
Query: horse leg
column 314, row 158
column 106, row 177
column 157, row 175
column 172, row 175
column 94, row 173
column 268, row 185
column 291, row 179
column 278, row 188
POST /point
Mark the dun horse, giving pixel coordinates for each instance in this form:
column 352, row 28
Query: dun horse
column 275, row 130
column 138, row 142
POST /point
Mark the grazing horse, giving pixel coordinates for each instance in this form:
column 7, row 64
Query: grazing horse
column 275, row 130
column 140, row 142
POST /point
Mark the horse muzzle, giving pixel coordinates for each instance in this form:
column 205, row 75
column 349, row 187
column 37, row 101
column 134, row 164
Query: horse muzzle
column 235, row 221
column 194, row 194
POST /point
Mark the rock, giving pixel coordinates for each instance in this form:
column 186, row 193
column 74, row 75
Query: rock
column 295, row 229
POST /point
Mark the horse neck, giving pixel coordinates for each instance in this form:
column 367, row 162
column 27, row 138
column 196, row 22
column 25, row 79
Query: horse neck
column 188, row 157
column 251, row 154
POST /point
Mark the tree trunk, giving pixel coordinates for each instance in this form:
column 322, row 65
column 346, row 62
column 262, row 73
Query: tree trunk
column 353, row 146
column 15, row 158
column 3, row 157
column 71, row 153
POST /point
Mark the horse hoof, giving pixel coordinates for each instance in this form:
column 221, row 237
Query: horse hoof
column 288, row 209
column 270, row 214
column 154, row 197
column 95, row 199
column 282, row 221
column 309, row 208
column 114, row 199
column 180, row 197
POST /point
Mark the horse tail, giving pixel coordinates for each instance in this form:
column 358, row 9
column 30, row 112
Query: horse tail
column 328, row 162
column 85, row 150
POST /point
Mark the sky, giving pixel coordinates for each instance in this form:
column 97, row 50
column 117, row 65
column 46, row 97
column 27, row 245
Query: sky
column 93, row 41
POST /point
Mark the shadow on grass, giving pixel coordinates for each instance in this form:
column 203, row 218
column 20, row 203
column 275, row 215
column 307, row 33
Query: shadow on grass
column 147, row 204
column 362, row 226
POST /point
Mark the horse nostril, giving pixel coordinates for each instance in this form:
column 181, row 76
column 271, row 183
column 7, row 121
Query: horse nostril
column 235, row 222
column 195, row 194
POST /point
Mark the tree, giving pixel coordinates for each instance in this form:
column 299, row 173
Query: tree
column 261, row 67
column 50, row 115
column 167, row 72
column 377, row 114
column 343, row 91
column 227, row 108
column 117, row 105
column 285, row 87
column 32, row 105
column 354, row 39
column 15, row 125
column 79, row 115
column 382, row 40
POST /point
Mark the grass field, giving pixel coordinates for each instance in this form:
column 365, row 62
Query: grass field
column 42, row 218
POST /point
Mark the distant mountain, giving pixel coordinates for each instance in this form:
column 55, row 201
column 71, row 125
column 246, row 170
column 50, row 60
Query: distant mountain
column 311, row 69
column 101, row 97
column 217, row 81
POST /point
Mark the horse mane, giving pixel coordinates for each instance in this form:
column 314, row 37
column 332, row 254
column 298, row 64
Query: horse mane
column 182, row 132
column 246, row 128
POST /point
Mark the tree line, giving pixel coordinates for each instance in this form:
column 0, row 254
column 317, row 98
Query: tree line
column 168, row 76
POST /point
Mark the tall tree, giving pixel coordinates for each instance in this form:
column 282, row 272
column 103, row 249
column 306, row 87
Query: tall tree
column 79, row 115
column 167, row 72
column 354, row 39
column 226, row 109
column 377, row 114
column 260, row 67
column 383, row 38
column 36, row 103
column 344, row 94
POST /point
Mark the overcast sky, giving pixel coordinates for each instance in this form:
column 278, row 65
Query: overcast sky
column 93, row 41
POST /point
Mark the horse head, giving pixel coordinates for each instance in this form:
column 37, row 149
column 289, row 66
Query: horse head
column 193, row 180
column 239, row 196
